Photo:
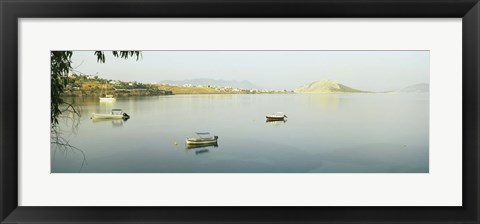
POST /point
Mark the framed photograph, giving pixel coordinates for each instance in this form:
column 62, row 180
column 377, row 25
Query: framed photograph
column 239, row 112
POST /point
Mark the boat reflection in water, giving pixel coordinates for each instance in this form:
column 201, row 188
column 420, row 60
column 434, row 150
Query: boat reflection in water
column 200, row 149
column 276, row 123
column 115, row 123
column 118, row 123
column 212, row 145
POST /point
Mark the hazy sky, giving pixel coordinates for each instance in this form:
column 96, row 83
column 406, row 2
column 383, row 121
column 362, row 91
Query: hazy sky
column 364, row 70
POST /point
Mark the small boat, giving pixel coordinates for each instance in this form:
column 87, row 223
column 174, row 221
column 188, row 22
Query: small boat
column 115, row 114
column 279, row 116
column 107, row 98
column 201, row 140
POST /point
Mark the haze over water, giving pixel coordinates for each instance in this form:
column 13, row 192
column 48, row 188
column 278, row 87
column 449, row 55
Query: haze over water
column 324, row 133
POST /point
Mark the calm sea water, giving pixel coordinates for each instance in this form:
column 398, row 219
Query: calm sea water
column 324, row 133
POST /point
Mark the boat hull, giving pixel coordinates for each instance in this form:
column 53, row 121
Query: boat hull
column 107, row 99
column 107, row 116
column 270, row 118
column 201, row 141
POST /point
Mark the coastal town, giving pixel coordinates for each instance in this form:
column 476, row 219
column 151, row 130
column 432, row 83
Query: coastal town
column 93, row 85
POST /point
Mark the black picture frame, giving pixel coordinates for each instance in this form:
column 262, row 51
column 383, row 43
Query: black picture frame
column 12, row 10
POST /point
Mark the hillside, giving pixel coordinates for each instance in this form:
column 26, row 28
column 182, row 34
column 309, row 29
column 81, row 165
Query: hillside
column 83, row 85
column 327, row 86
column 417, row 88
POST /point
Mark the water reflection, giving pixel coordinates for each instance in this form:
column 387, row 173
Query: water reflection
column 188, row 146
column 200, row 151
column 118, row 123
column 276, row 123
column 326, row 133
column 114, row 122
column 324, row 101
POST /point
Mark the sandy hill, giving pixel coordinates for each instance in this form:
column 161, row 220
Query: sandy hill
column 327, row 86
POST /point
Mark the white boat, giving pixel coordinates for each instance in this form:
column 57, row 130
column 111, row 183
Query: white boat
column 208, row 140
column 107, row 98
column 278, row 116
column 115, row 114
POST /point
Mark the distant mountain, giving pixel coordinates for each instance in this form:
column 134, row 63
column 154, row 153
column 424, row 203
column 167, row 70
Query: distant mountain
column 213, row 82
column 417, row 88
column 327, row 86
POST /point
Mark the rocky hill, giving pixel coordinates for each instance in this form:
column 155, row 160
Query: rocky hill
column 327, row 86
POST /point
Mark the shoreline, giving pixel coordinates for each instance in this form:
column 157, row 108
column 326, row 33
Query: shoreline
column 227, row 93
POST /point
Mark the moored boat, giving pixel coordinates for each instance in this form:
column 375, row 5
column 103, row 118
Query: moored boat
column 278, row 116
column 107, row 98
column 200, row 140
column 115, row 114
